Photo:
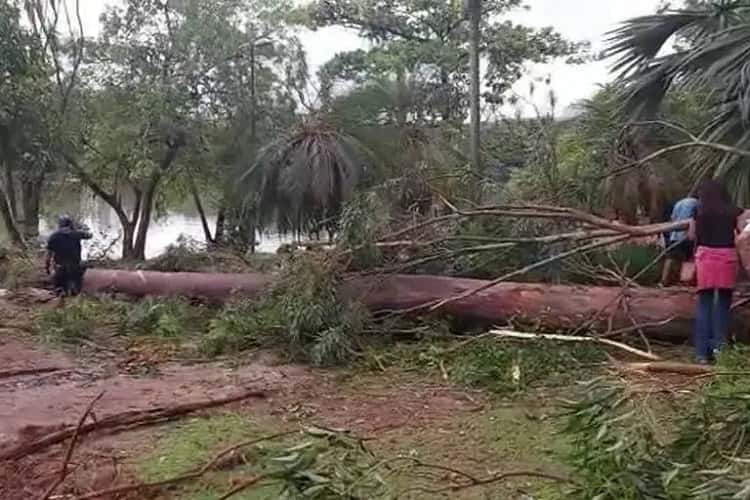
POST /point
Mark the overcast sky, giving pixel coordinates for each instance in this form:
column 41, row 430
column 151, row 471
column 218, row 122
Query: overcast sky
column 576, row 19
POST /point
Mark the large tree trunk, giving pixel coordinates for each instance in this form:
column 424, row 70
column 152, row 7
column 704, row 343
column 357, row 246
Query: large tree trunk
column 221, row 224
column 552, row 306
column 144, row 218
column 31, row 192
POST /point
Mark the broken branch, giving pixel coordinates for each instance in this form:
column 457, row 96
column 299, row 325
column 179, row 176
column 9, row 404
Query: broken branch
column 509, row 334
column 126, row 420
column 71, row 447
column 524, row 270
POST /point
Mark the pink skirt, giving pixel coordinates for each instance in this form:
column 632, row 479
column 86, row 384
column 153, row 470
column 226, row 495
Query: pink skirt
column 716, row 268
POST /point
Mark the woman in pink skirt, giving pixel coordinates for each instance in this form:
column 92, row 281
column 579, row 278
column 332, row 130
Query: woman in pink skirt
column 716, row 261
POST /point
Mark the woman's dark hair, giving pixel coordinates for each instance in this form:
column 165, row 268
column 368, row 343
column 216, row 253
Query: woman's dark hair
column 715, row 199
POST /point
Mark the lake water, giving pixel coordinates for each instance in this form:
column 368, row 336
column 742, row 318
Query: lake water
column 178, row 223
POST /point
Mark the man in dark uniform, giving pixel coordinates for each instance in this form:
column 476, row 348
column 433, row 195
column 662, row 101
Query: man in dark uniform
column 64, row 247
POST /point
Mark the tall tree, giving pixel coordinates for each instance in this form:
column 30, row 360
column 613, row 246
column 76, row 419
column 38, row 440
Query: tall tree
column 431, row 40
column 160, row 80
column 26, row 138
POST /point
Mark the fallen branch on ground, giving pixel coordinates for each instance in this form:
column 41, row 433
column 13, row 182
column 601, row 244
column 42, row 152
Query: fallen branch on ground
column 216, row 463
column 670, row 367
column 122, row 421
column 635, row 328
column 20, row 372
column 509, row 334
column 71, row 447
column 242, row 486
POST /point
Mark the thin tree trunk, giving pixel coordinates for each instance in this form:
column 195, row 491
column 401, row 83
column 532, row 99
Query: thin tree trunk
column 16, row 238
column 221, row 225
column 201, row 212
column 10, row 190
column 445, row 84
column 475, row 15
column 128, row 237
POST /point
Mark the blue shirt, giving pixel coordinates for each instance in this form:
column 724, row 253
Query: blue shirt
column 684, row 209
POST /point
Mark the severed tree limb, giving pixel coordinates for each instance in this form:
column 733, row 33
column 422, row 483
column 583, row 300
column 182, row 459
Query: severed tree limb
column 125, row 420
column 71, row 447
column 19, row 372
column 670, row 367
column 244, row 484
column 509, row 334
column 635, row 328
column 625, row 288
column 543, row 212
column 525, row 270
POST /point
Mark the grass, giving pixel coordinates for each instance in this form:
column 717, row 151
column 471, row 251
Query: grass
column 498, row 439
column 103, row 319
column 80, row 319
column 17, row 269
column 194, row 442
column 503, row 368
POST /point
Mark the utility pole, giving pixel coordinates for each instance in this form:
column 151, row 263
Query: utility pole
column 474, row 14
column 253, row 99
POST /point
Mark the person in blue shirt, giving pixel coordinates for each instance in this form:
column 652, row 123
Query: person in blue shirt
column 682, row 248
column 64, row 249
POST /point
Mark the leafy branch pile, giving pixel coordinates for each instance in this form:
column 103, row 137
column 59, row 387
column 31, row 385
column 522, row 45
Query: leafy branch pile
column 698, row 450
column 304, row 311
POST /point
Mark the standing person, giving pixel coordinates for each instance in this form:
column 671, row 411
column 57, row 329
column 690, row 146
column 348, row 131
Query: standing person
column 64, row 248
column 716, row 259
column 682, row 247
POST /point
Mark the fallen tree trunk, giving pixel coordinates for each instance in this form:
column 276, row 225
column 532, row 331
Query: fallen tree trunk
column 663, row 312
column 214, row 287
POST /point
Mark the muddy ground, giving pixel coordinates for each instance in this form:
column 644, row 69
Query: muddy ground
column 399, row 411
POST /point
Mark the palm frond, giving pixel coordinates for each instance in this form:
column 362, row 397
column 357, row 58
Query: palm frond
column 302, row 178
column 640, row 40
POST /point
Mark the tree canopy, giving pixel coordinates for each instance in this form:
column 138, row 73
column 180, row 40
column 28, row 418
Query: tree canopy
column 428, row 42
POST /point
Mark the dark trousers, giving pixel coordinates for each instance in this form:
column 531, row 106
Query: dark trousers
column 712, row 321
column 68, row 279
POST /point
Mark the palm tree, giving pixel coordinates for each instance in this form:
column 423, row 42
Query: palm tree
column 710, row 57
column 304, row 178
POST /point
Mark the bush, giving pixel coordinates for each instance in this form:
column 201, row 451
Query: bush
column 304, row 311
column 79, row 319
column 238, row 327
column 17, row 269
column 160, row 318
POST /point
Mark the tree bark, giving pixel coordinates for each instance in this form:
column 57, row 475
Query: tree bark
column 663, row 312
column 202, row 213
column 221, row 225
column 146, row 205
column 31, row 193
column 144, row 217
column 10, row 190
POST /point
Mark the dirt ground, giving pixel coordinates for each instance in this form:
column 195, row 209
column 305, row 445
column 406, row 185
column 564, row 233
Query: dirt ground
column 390, row 408
column 401, row 412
